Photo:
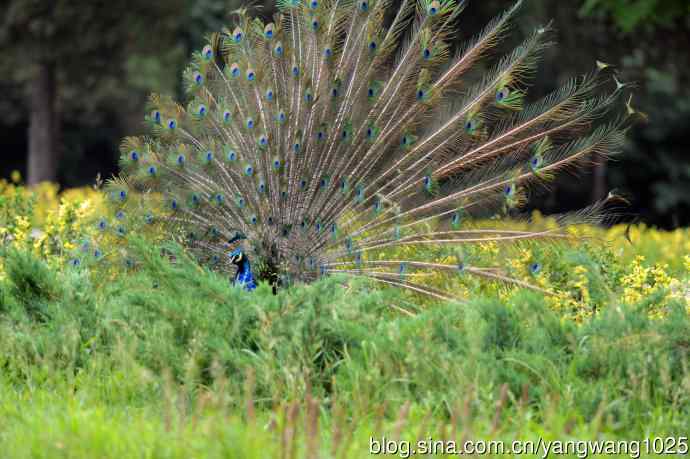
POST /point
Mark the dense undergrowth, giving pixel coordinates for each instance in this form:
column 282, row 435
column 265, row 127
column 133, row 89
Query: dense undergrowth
column 166, row 359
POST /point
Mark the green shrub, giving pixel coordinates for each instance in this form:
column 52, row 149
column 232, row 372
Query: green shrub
column 161, row 358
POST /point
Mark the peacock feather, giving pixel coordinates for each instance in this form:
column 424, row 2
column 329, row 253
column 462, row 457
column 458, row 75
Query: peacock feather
column 346, row 137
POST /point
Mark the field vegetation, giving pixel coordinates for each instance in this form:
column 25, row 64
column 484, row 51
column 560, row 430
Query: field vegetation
column 159, row 357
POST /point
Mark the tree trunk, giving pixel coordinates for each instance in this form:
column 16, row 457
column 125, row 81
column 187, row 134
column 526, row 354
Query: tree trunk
column 43, row 152
column 599, row 187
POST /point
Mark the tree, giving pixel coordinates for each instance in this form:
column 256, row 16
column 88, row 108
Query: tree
column 62, row 44
column 655, row 167
column 630, row 15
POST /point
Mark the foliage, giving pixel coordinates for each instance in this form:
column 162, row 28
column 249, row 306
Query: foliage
column 183, row 355
column 99, row 104
column 104, row 61
column 630, row 14
column 656, row 156
column 201, row 368
column 50, row 225
column 60, row 228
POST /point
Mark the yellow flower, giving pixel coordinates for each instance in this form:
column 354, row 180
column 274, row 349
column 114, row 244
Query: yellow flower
column 643, row 282
column 22, row 228
column 16, row 176
column 581, row 284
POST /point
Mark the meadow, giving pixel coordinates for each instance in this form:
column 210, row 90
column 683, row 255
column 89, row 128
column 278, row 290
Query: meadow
column 163, row 358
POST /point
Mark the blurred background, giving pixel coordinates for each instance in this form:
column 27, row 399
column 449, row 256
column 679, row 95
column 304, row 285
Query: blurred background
column 77, row 73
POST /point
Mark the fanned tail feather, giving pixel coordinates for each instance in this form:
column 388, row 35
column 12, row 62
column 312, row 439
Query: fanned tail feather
column 341, row 138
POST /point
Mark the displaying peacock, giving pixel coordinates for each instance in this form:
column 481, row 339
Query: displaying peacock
column 345, row 138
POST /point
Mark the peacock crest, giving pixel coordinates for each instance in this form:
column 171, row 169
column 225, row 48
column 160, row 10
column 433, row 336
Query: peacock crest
column 345, row 137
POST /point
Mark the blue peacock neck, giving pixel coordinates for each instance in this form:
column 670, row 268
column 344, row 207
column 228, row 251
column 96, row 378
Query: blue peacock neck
column 244, row 268
column 244, row 276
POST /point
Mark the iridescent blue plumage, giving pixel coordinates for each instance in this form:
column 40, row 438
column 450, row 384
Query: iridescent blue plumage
column 243, row 277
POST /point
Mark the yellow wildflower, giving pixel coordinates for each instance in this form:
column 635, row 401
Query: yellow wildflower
column 22, row 228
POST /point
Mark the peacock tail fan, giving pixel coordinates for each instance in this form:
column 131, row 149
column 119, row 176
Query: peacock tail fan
column 345, row 137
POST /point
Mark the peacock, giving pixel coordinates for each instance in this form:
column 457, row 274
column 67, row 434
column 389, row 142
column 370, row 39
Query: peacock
column 349, row 137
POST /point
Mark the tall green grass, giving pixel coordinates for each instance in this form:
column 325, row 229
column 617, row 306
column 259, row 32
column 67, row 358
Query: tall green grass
column 171, row 361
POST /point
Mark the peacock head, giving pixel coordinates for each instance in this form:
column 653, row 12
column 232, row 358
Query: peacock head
column 237, row 257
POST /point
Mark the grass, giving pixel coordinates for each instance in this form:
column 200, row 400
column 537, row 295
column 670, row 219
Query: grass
column 167, row 360
column 170, row 361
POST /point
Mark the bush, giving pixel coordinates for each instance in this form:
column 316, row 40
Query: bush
column 166, row 341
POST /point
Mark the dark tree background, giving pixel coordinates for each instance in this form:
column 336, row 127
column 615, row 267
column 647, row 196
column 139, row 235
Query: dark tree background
column 76, row 75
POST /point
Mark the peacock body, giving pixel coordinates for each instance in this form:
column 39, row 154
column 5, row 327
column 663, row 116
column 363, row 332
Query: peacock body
column 345, row 138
